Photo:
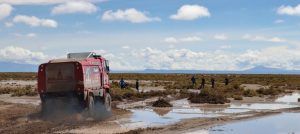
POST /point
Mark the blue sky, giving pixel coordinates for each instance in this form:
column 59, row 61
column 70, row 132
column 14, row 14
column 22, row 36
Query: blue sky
column 202, row 34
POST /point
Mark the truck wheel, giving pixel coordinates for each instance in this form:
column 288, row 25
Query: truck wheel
column 91, row 105
column 107, row 102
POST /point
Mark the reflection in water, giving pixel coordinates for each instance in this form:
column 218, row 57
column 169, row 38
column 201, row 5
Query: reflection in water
column 162, row 111
column 213, row 108
column 261, row 106
column 286, row 123
column 292, row 98
column 142, row 118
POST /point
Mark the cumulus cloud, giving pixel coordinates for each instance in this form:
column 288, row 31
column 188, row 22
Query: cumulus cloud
column 5, row 10
column 182, row 40
column 289, row 10
column 42, row 2
column 34, row 21
column 132, row 15
column 225, row 46
column 262, row 38
column 125, row 47
column 74, row 7
column 8, row 24
column 190, row 12
column 220, row 37
column 21, row 55
column 279, row 21
column 29, row 35
column 147, row 58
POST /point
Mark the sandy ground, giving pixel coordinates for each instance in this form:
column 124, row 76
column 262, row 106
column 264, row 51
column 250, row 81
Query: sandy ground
column 18, row 83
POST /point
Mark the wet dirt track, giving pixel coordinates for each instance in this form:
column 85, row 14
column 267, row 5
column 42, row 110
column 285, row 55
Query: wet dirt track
column 25, row 118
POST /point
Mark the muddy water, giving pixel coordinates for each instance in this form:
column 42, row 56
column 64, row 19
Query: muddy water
column 285, row 123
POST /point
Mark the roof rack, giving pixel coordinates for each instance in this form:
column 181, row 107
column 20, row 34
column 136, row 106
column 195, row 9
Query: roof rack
column 82, row 55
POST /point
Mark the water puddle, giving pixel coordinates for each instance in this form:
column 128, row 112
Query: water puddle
column 262, row 106
column 182, row 109
column 152, row 117
column 285, row 123
column 142, row 118
column 289, row 99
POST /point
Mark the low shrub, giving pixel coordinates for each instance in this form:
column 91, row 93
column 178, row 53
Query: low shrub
column 237, row 97
column 19, row 91
column 269, row 91
column 161, row 103
column 27, row 90
column 209, row 96
column 249, row 93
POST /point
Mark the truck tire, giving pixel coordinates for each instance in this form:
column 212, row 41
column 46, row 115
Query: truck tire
column 91, row 105
column 107, row 102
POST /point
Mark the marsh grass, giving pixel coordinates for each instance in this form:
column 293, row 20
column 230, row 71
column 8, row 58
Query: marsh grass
column 19, row 91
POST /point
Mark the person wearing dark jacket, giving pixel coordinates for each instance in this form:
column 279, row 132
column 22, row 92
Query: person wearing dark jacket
column 202, row 83
column 226, row 81
column 193, row 79
column 212, row 83
column 122, row 83
column 137, row 85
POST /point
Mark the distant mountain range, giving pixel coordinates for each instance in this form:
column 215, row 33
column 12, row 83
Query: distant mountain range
column 15, row 67
column 255, row 70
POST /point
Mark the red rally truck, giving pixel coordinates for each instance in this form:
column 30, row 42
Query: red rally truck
column 82, row 77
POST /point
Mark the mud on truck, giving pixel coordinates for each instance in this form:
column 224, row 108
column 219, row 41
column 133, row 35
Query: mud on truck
column 80, row 81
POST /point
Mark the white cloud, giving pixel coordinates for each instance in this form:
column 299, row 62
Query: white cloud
column 171, row 40
column 182, row 40
column 190, row 12
column 22, row 55
column 74, row 7
column 225, row 46
column 190, row 39
column 34, row 21
column 289, row 10
column 8, row 24
column 220, row 37
column 125, row 47
column 5, row 10
column 43, row 2
column 279, row 21
column 262, row 38
column 132, row 15
column 147, row 58
column 29, row 35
